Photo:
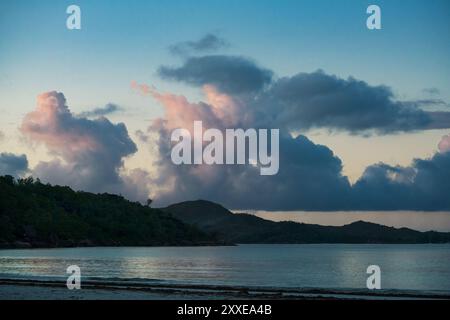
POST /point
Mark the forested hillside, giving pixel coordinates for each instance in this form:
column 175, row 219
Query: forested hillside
column 33, row 214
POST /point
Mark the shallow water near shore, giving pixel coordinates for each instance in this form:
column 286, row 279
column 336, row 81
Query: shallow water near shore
column 421, row 267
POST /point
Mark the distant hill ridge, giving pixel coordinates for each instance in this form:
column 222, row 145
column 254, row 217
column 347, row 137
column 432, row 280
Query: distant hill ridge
column 244, row 228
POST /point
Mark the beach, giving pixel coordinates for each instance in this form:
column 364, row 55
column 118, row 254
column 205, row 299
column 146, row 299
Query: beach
column 15, row 289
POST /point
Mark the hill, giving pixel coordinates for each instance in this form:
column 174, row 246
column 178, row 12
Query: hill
column 244, row 228
column 33, row 214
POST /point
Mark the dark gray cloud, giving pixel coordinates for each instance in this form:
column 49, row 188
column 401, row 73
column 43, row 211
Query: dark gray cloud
column 101, row 112
column 431, row 91
column 13, row 165
column 310, row 178
column 230, row 74
column 439, row 120
column 209, row 42
column 311, row 100
column 425, row 185
column 308, row 174
column 429, row 103
column 88, row 153
column 319, row 100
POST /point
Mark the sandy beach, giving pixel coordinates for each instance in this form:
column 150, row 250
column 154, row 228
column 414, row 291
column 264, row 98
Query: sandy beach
column 93, row 290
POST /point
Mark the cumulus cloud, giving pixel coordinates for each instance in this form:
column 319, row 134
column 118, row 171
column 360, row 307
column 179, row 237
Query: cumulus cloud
column 101, row 112
column 308, row 172
column 88, row 153
column 310, row 175
column 444, row 144
column 311, row 100
column 431, row 91
column 319, row 100
column 424, row 185
column 13, row 165
column 209, row 42
column 230, row 74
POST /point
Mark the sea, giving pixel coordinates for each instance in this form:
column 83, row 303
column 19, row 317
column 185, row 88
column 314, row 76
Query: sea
column 421, row 267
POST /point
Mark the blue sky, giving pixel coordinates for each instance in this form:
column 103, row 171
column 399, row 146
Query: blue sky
column 123, row 40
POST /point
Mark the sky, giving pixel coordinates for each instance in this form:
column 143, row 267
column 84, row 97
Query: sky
column 138, row 56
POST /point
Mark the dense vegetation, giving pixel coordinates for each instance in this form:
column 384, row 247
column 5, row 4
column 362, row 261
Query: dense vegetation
column 33, row 214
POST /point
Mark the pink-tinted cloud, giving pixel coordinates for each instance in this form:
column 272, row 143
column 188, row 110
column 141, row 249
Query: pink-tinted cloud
column 219, row 110
column 444, row 144
column 239, row 186
column 52, row 124
column 88, row 153
column 310, row 176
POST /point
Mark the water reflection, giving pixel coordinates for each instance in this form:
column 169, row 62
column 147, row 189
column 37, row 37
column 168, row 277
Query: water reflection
column 420, row 267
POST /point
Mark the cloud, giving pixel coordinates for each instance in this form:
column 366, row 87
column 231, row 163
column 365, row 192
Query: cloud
column 2, row 136
column 229, row 74
column 319, row 100
column 424, row 185
column 310, row 100
column 310, row 175
column 88, row 153
column 444, row 144
column 209, row 42
column 100, row 112
column 431, row 91
column 13, row 165
column 429, row 103
column 308, row 172
column 438, row 120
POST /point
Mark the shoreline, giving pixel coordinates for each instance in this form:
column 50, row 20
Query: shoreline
column 5, row 248
column 22, row 289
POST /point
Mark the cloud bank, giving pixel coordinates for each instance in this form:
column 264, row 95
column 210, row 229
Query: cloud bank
column 88, row 154
column 241, row 94
column 310, row 176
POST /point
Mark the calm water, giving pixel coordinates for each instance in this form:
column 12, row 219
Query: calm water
column 417, row 267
